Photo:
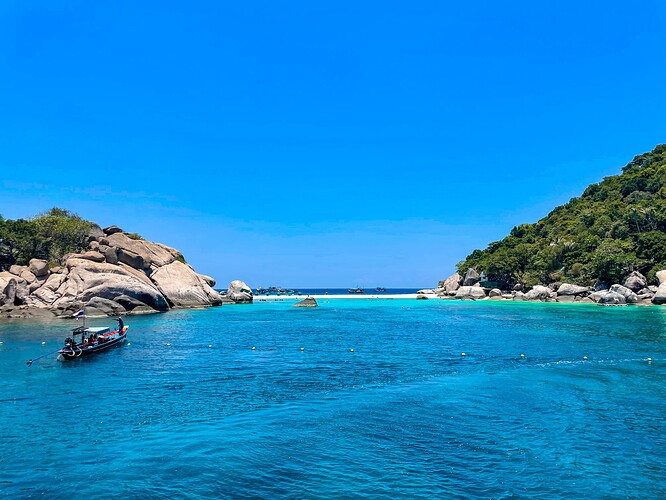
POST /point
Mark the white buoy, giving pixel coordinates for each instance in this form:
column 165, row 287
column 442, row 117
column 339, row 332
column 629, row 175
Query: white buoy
column 129, row 343
column 522, row 355
column 168, row 344
column 585, row 358
column 302, row 348
column 210, row 346
column 253, row 348
column 463, row 354
column 43, row 343
column 649, row 360
column 351, row 350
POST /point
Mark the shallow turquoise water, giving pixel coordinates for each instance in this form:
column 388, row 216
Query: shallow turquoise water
column 402, row 416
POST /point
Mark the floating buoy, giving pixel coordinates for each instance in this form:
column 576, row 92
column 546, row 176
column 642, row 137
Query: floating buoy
column 168, row 344
column 302, row 348
column 522, row 355
column 253, row 348
column 649, row 360
column 129, row 343
column 351, row 350
column 585, row 358
column 210, row 346
column 463, row 354
column 1, row 342
column 43, row 343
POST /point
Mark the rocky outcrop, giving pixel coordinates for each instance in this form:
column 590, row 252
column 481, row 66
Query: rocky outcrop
column 239, row 293
column 539, row 292
column 471, row 277
column 307, row 302
column 38, row 267
column 569, row 289
column 470, row 293
column 635, row 281
column 660, row 295
column 450, row 284
column 117, row 274
column 661, row 276
column 606, row 297
column 629, row 296
column 183, row 287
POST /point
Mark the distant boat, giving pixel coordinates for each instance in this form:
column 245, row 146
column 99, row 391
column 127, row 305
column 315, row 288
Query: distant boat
column 380, row 289
column 356, row 290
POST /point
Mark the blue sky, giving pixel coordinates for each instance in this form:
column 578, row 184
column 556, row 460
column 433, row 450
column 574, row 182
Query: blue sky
column 330, row 144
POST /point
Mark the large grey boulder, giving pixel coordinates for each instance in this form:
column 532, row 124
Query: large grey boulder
column 155, row 254
column 208, row 280
column 635, row 281
column 470, row 292
column 661, row 276
column 95, row 233
column 111, row 255
column 239, row 292
column 495, row 292
column 92, row 255
column 660, row 294
column 129, row 303
column 88, row 279
column 132, row 259
column 46, row 294
column 35, row 285
column 471, row 277
column 106, row 307
column 611, row 298
column 629, row 296
column 538, row 292
column 16, row 270
column 8, row 291
column 450, row 284
column 38, row 267
column 183, row 287
column 569, row 289
column 108, row 231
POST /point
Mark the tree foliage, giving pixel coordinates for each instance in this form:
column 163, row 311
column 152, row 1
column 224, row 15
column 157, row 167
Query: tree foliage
column 49, row 236
column 615, row 226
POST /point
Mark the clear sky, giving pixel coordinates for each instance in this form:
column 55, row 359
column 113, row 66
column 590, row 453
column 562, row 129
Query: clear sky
column 302, row 144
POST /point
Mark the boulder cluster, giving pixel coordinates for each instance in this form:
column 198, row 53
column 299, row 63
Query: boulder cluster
column 118, row 274
column 634, row 290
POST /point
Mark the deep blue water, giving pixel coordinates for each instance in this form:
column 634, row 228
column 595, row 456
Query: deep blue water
column 404, row 415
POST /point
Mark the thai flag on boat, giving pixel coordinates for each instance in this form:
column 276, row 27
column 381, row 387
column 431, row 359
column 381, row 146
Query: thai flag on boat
column 79, row 314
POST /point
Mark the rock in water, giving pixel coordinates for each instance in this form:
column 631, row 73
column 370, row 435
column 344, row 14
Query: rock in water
column 239, row 292
column 308, row 302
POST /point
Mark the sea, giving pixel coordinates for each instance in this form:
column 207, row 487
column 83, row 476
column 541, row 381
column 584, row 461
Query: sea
column 353, row 399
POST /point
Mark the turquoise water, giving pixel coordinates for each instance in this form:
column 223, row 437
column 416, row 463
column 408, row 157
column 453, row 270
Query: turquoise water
column 403, row 415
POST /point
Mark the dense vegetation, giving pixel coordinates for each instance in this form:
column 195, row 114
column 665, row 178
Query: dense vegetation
column 615, row 227
column 49, row 236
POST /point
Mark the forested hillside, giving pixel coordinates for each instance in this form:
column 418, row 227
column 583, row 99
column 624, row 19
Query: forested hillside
column 47, row 236
column 616, row 226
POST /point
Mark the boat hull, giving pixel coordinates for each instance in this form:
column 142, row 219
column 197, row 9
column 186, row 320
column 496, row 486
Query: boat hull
column 80, row 350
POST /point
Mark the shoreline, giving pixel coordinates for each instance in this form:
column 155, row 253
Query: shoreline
column 267, row 298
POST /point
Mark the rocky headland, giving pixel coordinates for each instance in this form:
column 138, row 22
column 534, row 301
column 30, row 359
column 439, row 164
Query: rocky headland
column 634, row 290
column 118, row 274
